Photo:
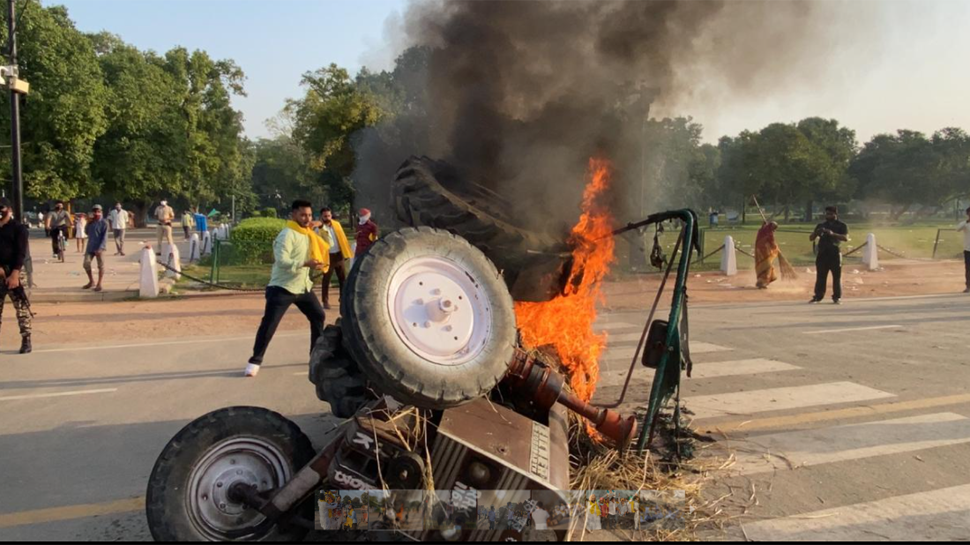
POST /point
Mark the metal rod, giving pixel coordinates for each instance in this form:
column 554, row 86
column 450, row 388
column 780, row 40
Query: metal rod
column 646, row 327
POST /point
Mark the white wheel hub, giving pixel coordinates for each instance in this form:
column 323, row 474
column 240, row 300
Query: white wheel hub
column 247, row 460
column 438, row 310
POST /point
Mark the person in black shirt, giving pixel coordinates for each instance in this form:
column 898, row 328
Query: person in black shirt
column 829, row 259
column 13, row 252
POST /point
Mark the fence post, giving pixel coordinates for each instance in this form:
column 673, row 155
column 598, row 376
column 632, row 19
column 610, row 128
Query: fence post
column 703, row 237
column 729, row 258
column 148, row 280
column 870, row 254
column 937, row 243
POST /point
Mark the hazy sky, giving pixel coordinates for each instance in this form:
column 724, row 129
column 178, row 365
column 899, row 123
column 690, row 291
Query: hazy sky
column 911, row 71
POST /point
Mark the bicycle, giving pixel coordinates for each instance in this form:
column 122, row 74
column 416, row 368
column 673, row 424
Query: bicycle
column 61, row 245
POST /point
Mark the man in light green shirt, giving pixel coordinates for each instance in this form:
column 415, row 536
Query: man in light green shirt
column 289, row 284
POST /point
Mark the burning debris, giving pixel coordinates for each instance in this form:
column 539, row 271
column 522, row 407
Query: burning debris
column 566, row 322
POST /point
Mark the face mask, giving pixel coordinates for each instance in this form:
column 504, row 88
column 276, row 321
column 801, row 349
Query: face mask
column 364, row 219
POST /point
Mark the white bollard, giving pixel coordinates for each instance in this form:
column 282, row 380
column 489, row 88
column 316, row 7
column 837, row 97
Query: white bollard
column 729, row 257
column 194, row 248
column 174, row 260
column 207, row 243
column 148, row 281
column 870, row 254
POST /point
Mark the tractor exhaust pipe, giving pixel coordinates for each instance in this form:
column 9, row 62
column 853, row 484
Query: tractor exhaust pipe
column 545, row 387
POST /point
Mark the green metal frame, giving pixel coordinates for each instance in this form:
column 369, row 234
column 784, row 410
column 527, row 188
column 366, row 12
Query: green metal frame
column 666, row 380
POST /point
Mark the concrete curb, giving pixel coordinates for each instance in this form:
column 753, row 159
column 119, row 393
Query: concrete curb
column 85, row 296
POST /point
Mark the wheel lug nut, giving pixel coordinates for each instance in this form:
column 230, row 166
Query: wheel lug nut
column 222, row 506
column 427, row 324
column 219, row 485
column 238, row 472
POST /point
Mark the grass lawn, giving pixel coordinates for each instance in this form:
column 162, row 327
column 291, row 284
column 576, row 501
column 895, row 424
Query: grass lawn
column 237, row 276
column 912, row 241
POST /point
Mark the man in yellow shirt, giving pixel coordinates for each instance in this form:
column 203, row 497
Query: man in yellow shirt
column 297, row 250
column 332, row 232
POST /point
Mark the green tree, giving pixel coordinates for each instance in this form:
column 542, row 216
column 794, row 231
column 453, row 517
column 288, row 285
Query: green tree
column 63, row 115
column 333, row 109
column 908, row 169
column 786, row 164
column 172, row 131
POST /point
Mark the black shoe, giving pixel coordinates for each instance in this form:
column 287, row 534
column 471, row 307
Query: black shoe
column 836, row 301
column 326, row 306
column 25, row 347
column 813, row 301
column 966, row 290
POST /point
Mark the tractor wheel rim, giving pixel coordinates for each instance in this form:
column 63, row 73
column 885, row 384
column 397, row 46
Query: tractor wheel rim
column 439, row 310
column 247, row 460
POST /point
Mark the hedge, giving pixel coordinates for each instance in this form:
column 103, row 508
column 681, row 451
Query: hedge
column 252, row 241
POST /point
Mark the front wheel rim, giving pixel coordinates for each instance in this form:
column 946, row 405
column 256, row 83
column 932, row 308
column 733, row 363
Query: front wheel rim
column 247, row 460
column 439, row 310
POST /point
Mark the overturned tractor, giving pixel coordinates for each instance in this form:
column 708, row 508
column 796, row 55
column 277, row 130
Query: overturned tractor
column 427, row 364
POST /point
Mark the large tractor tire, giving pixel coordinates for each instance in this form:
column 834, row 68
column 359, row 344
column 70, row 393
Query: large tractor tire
column 428, row 319
column 188, row 491
column 337, row 377
column 431, row 193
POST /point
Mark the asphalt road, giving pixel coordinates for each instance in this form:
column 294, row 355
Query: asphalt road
column 868, row 401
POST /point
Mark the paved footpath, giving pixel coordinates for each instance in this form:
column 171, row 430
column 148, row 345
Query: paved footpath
column 61, row 282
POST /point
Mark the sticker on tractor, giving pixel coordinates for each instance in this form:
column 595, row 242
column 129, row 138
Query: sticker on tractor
column 539, row 453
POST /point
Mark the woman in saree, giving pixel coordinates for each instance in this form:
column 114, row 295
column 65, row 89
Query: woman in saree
column 765, row 252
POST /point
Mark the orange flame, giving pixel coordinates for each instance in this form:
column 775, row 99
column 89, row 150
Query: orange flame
column 566, row 322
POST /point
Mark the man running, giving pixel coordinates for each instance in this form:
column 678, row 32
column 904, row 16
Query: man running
column 297, row 250
column 13, row 252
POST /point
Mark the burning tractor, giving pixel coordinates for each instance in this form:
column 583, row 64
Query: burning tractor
column 429, row 366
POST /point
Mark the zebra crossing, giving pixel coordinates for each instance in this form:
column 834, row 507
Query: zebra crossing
column 939, row 514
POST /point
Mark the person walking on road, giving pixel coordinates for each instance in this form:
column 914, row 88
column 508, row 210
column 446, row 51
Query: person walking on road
column 188, row 223
column 829, row 259
column 164, row 214
column 80, row 235
column 97, row 231
column 297, row 250
column 367, row 232
column 13, row 252
column 332, row 232
column 57, row 222
column 964, row 227
column 491, row 518
column 118, row 218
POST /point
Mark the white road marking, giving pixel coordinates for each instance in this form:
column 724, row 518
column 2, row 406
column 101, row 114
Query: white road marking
column 851, row 329
column 626, row 352
column 937, row 515
column 59, row 394
column 853, row 442
column 740, row 367
column 777, row 399
column 614, row 377
column 623, row 337
column 613, row 325
column 166, row 343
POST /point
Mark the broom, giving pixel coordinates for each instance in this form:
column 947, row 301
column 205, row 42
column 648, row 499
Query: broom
column 787, row 271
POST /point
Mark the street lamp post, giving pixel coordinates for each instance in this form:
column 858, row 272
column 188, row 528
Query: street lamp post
column 17, row 193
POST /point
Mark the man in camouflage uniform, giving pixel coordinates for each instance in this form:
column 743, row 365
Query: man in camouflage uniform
column 13, row 252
